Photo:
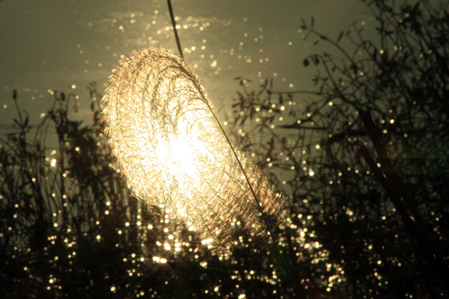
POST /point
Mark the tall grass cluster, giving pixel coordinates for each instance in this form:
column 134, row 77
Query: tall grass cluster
column 356, row 225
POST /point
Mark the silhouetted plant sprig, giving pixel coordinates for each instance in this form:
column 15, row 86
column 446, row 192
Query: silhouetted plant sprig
column 309, row 141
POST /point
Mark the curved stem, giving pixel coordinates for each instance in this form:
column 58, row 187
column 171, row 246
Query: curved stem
column 173, row 22
column 264, row 216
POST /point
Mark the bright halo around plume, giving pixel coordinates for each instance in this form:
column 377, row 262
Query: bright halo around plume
column 173, row 151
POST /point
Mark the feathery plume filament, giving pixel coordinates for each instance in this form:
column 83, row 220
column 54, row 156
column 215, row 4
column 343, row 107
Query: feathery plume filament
column 173, row 152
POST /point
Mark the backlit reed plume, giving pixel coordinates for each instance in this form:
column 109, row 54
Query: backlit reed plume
column 173, row 151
